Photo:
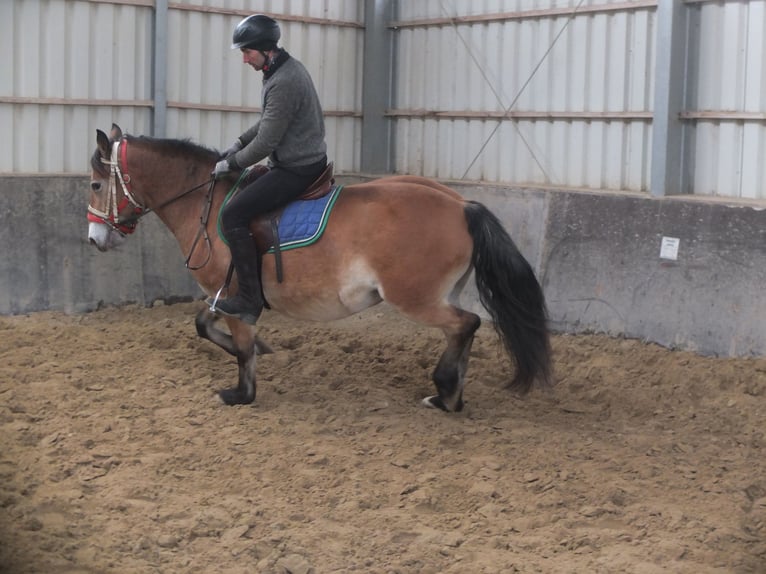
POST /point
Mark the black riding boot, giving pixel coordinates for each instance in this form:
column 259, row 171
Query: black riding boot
column 247, row 304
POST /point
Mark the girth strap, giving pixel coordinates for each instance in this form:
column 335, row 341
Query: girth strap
column 277, row 249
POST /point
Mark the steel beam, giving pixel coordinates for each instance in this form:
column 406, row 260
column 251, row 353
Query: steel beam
column 160, row 65
column 377, row 154
column 668, row 157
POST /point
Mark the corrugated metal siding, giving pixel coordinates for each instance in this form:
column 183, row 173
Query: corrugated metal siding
column 581, row 102
column 455, row 79
column 599, row 67
column 68, row 67
column 203, row 72
column 728, row 154
column 60, row 52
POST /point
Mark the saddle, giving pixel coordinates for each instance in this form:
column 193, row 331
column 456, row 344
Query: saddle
column 265, row 228
column 319, row 188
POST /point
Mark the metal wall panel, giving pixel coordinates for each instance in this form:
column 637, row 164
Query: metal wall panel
column 728, row 47
column 205, row 77
column 68, row 67
column 595, row 81
column 591, row 72
column 205, row 73
column 61, row 61
column 528, row 98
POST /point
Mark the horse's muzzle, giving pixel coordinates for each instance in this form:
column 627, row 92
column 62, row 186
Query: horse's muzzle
column 96, row 245
column 103, row 237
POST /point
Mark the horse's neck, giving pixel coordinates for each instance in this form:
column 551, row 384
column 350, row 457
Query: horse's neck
column 166, row 186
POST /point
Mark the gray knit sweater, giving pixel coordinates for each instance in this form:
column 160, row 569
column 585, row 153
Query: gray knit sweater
column 291, row 128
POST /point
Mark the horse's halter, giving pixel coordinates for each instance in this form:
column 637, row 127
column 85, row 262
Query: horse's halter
column 114, row 207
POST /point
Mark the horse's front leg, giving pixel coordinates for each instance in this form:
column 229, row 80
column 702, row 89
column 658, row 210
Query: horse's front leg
column 244, row 344
column 205, row 323
column 244, row 392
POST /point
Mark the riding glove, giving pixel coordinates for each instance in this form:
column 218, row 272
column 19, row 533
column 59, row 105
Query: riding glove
column 221, row 168
column 235, row 147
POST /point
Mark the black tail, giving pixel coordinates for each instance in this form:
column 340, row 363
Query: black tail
column 511, row 294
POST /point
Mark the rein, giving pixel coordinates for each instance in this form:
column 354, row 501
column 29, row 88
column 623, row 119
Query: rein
column 136, row 216
column 203, row 219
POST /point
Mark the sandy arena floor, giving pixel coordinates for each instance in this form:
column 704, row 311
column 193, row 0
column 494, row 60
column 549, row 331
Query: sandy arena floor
column 117, row 456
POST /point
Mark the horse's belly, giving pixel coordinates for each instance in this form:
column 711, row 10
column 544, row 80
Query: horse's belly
column 324, row 295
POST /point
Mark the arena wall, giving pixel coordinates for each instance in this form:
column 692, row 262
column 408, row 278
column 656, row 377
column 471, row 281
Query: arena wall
column 48, row 263
column 606, row 264
column 598, row 256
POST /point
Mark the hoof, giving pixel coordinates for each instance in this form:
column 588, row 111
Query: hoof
column 234, row 397
column 436, row 402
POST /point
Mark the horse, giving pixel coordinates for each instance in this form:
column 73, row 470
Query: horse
column 406, row 240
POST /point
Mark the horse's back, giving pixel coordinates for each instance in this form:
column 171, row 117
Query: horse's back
column 399, row 214
column 406, row 192
column 418, row 180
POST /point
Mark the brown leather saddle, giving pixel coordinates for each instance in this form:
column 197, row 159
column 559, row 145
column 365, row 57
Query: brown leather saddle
column 265, row 228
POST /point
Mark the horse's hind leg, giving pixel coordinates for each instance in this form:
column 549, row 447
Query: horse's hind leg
column 449, row 375
column 244, row 344
column 458, row 327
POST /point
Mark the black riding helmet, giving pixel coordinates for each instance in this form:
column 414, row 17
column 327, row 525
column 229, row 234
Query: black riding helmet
column 256, row 32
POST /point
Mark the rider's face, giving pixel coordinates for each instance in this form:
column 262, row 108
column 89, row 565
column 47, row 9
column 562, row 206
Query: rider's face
column 253, row 58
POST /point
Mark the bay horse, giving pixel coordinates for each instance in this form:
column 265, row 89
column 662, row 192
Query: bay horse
column 406, row 240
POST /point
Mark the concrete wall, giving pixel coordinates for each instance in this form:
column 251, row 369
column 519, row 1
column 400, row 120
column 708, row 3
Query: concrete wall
column 47, row 262
column 597, row 255
column 598, row 258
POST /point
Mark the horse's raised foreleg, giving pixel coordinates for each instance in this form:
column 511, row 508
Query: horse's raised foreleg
column 205, row 323
column 244, row 344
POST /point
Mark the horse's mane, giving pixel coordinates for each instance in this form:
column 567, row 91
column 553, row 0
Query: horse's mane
column 175, row 147
column 168, row 147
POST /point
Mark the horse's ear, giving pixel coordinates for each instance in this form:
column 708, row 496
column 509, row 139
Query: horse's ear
column 103, row 143
column 116, row 133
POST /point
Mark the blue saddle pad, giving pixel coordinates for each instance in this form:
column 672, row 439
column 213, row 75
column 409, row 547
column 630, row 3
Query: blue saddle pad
column 303, row 221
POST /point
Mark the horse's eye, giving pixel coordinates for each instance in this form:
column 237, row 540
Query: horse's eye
column 95, row 186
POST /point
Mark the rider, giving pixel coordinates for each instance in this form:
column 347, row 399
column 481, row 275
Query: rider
column 290, row 132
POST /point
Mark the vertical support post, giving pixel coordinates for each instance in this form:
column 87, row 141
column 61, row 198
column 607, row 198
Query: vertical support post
column 377, row 87
column 668, row 154
column 160, row 55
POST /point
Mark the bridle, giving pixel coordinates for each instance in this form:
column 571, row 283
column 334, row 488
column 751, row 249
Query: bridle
column 125, row 225
column 114, row 207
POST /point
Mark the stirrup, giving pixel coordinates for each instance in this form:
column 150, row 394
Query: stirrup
column 245, row 316
column 213, row 301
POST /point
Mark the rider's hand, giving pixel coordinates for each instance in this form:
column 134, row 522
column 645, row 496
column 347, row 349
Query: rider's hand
column 221, row 168
column 234, row 148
